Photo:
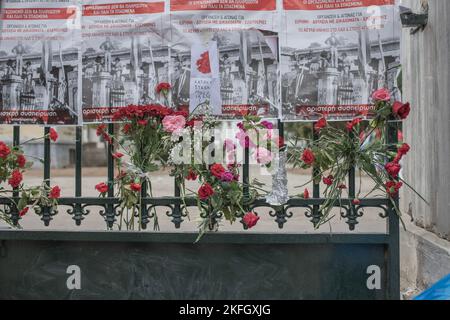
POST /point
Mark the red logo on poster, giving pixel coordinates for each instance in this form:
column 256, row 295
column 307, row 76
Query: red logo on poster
column 203, row 64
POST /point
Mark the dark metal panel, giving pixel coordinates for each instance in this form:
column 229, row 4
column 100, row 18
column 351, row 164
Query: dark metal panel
column 190, row 237
column 37, row 270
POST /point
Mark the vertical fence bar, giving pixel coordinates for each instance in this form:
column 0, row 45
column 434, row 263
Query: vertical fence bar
column 143, row 209
column 352, row 214
column 351, row 176
column 46, row 214
column 393, row 254
column 316, row 215
column 78, row 160
column 14, row 211
column 110, row 213
column 143, row 212
column 78, row 211
column 280, row 126
column 351, row 183
column 176, row 214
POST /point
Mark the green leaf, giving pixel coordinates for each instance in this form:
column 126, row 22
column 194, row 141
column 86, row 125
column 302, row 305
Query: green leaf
column 23, row 202
column 228, row 214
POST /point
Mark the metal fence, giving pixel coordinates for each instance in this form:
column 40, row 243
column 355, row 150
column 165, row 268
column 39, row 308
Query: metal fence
column 78, row 208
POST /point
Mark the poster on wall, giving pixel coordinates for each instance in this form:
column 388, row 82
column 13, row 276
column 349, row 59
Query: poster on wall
column 334, row 54
column 40, row 74
column 224, row 57
column 124, row 55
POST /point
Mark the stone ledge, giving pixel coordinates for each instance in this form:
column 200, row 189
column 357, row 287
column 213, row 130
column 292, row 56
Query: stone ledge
column 424, row 259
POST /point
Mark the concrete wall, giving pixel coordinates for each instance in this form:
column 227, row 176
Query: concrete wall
column 426, row 84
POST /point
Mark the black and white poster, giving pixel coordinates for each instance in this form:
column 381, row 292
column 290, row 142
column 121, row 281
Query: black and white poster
column 40, row 76
column 245, row 35
column 335, row 54
column 125, row 55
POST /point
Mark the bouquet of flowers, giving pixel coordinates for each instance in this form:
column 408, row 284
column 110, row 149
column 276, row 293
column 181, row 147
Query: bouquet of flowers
column 221, row 195
column 13, row 165
column 359, row 145
column 144, row 139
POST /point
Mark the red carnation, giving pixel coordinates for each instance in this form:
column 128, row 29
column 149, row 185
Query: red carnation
column 328, row 180
column 356, row 202
column 350, row 125
column 117, row 155
column 102, row 187
column 401, row 110
column 135, row 187
column 55, row 192
column 53, row 135
column 404, row 149
column 217, row 170
column 250, row 219
column 280, row 142
column 192, row 176
column 142, row 122
column 163, row 87
column 16, row 179
column 308, row 157
column 392, row 188
column 126, row 128
column 205, row 191
column 195, row 121
column 23, row 212
column 203, row 64
column 107, row 137
column 322, row 123
column 21, row 160
column 393, row 168
column 101, row 129
column 4, row 150
column 306, row 194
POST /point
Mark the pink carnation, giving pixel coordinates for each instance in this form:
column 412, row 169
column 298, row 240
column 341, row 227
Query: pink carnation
column 262, row 155
column 267, row 124
column 381, row 95
column 244, row 139
column 229, row 145
column 227, row 176
column 174, row 124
